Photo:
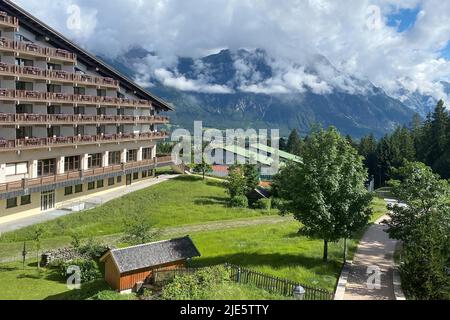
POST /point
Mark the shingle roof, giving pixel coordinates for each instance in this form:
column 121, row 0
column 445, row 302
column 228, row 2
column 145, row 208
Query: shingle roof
column 154, row 254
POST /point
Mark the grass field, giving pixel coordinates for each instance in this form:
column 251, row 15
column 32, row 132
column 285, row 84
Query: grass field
column 275, row 249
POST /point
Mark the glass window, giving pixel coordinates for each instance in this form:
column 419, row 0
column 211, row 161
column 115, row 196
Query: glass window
column 24, row 108
column 101, row 92
column 95, row 161
column 100, row 184
column 25, row 200
column 144, row 174
column 14, row 169
column 79, row 188
column 68, row 191
column 78, row 110
column 21, row 85
column 72, row 164
column 46, row 167
column 111, row 182
column 24, row 62
column 54, row 66
column 79, row 90
column 132, row 155
column 119, row 179
column 11, row 203
column 55, row 88
column 136, row 176
column 114, row 158
column 91, row 185
column 24, row 132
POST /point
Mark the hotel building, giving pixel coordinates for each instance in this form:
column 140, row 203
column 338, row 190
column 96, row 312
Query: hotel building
column 70, row 125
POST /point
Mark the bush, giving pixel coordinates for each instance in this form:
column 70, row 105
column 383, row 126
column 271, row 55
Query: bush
column 263, row 204
column 92, row 249
column 88, row 268
column 195, row 286
column 277, row 203
column 239, row 202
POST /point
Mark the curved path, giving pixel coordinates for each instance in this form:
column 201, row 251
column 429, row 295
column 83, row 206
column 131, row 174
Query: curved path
column 374, row 257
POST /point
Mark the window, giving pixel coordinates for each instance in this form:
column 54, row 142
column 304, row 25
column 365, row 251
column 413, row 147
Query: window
column 79, row 90
column 78, row 188
column 24, row 132
column 54, row 109
column 79, row 110
column 46, row 167
column 101, row 111
column 100, row 184
column 24, row 108
column 132, row 155
column 101, row 92
column 79, row 131
column 147, row 153
column 120, row 129
column 95, row 161
column 119, row 179
column 120, row 112
column 114, row 158
column 11, row 203
column 21, row 85
column 25, row 200
column 136, row 176
column 54, row 66
column 14, row 169
column 144, row 174
column 72, row 164
column 68, row 191
column 120, row 95
column 111, row 182
column 101, row 130
column 55, row 88
column 24, row 62
column 91, row 185
column 54, row 132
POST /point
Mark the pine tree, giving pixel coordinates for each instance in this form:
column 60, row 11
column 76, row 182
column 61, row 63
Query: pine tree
column 295, row 143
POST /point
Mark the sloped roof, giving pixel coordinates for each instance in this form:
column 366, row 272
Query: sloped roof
column 59, row 41
column 153, row 254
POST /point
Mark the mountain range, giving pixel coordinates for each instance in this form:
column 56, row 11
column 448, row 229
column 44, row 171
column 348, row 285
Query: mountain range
column 246, row 89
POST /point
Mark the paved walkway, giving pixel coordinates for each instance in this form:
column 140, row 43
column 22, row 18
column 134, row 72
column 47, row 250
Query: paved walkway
column 375, row 252
column 104, row 198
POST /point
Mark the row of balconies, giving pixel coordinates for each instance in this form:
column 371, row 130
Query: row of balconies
column 63, row 98
column 61, row 119
column 73, row 79
column 39, row 143
column 8, row 21
column 54, row 179
column 31, row 49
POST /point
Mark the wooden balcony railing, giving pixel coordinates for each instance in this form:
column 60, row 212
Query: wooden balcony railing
column 8, row 21
column 32, row 49
column 50, row 97
column 73, row 79
column 69, row 119
column 43, row 181
column 38, row 143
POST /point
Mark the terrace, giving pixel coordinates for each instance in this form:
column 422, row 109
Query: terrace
column 8, row 21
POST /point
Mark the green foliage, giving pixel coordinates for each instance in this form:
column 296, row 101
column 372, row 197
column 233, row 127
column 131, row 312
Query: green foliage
column 195, row 286
column 236, row 183
column 89, row 269
column 239, row 202
column 294, row 143
column 204, row 168
column 92, row 249
column 424, row 228
column 263, row 204
column 326, row 192
column 138, row 230
column 251, row 174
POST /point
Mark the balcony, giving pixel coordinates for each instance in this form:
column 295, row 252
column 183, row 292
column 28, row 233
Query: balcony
column 59, row 76
column 58, row 142
column 8, row 22
column 76, row 176
column 61, row 98
column 13, row 119
column 31, row 49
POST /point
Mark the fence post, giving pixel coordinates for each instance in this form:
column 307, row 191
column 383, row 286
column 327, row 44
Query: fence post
column 239, row 275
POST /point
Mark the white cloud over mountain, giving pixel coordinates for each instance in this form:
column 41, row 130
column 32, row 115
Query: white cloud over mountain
column 351, row 34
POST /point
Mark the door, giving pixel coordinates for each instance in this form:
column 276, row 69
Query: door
column 48, row 200
column 129, row 179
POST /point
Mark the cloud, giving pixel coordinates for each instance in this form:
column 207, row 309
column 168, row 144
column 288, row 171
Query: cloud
column 353, row 35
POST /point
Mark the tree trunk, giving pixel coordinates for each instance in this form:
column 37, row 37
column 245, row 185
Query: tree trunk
column 325, row 251
column 345, row 250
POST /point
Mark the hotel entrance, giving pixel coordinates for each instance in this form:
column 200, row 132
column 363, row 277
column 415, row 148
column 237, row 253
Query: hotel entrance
column 48, row 200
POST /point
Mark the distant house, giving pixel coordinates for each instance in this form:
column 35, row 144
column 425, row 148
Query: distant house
column 258, row 193
column 126, row 267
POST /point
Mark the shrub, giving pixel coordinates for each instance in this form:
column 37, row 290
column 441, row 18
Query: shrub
column 195, row 286
column 277, row 203
column 239, row 202
column 263, row 204
column 92, row 249
column 88, row 268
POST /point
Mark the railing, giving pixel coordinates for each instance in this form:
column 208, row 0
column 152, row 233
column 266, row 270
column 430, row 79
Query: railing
column 259, row 280
column 57, row 75
column 36, row 96
column 35, row 143
column 15, row 118
column 35, row 50
column 8, row 21
column 76, row 175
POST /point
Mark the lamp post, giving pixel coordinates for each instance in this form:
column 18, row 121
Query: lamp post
column 299, row 293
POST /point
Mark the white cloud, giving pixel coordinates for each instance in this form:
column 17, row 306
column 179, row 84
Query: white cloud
column 287, row 30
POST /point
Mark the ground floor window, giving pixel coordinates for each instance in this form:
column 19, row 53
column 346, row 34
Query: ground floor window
column 119, row 179
column 91, row 186
column 144, row 174
column 100, row 184
column 136, row 176
column 68, row 191
column 48, row 200
column 79, row 188
column 111, row 182
column 11, row 203
column 25, row 200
